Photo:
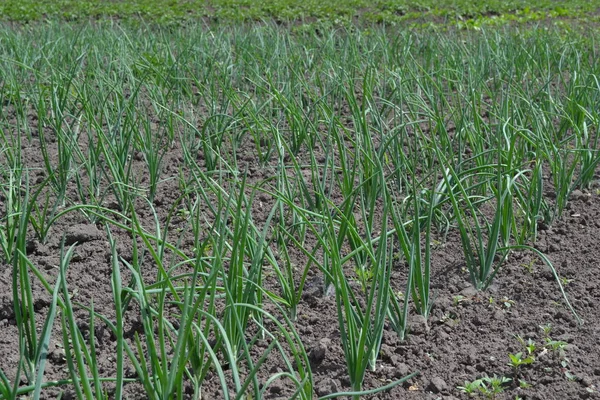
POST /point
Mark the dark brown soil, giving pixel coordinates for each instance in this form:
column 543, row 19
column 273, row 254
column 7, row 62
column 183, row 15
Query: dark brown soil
column 468, row 335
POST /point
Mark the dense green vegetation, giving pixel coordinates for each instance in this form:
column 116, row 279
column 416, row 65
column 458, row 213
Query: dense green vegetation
column 464, row 12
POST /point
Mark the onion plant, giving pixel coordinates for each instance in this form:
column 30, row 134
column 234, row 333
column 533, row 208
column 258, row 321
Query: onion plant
column 361, row 324
column 116, row 144
column 416, row 250
column 77, row 354
column 481, row 242
column 153, row 146
column 22, row 294
column 531, row 205
column 63, row 124
column 89, row 154
column 563, row 162
column 418, row 255
column 361, row 327
column 15, row 205
column 589, row 148
column 41, row 352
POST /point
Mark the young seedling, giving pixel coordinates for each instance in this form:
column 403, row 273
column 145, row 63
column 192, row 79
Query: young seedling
column 564, row 363
column 492, row 387
column 517, row 360
column 529, row 266
column 546, row 329
column 565, row 281
column 470, row 388
column 507, row 303
column 555, row 345
column 364, row 276
column 456, row 300
column 528, row 345
column 489, row 387
column 523, row 384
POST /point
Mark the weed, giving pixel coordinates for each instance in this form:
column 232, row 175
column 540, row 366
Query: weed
column 471, row 388
column 529, row 345
column 518, row 360
column 546, row 330
column 456, row 300
column 523, row 384
column 529, row 266
column 554, row 345
column 566, row 281
column 492, row 387
column 488, row 387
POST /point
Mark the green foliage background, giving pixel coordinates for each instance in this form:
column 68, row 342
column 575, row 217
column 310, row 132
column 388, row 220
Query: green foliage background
column 171, row 11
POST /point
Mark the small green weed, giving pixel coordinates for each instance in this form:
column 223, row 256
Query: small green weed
column 489, row 387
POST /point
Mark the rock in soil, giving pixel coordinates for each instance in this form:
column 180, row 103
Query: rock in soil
column 327, row 386
column 437, row 385
column 317, row 352
column 418, row 325
column 82, row 233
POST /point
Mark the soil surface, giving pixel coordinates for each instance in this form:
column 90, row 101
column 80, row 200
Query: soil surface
column 468, row 335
